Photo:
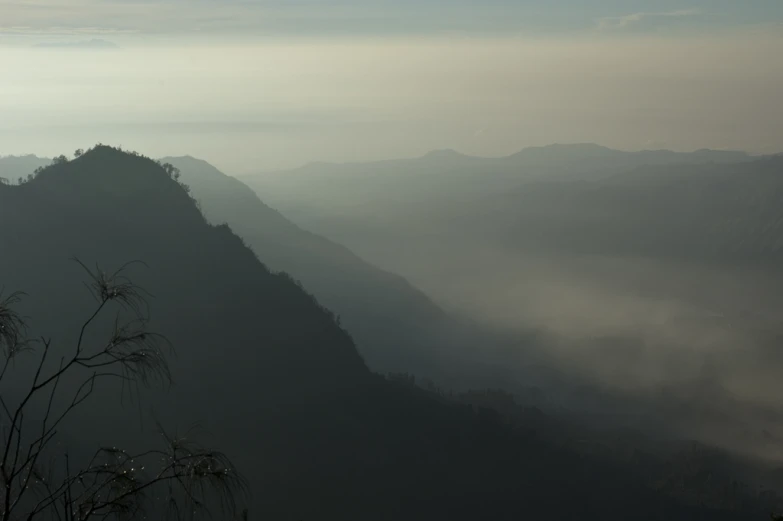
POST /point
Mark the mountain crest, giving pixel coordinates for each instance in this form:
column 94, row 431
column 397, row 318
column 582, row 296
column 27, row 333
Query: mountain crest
column 109, row 168
column 117, row 181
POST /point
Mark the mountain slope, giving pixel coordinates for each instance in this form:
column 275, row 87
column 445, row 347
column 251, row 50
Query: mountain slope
column 277, row 382
column 397, row 328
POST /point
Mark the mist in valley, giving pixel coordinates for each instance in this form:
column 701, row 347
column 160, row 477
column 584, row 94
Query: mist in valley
column 693, row 337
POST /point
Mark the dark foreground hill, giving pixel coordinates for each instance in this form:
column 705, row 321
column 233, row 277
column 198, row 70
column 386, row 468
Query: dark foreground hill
column 278, row 383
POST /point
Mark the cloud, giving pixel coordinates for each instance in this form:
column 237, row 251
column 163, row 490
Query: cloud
column 621, row 22
column 198, row 19
column 309, row 17
column 95, row 43
column 61, row 31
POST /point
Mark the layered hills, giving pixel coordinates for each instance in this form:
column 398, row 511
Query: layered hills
column 280, row 384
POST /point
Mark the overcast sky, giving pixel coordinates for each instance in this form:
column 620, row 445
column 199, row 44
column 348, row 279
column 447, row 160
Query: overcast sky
column 373, row 17
column 267, row 84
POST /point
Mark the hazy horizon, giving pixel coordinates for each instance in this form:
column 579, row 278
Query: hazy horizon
column 263, row 87
column 381, row 159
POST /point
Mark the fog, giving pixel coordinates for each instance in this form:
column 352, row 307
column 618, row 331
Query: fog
column 600, row 277
column 281, row 102
column 697, row 346
column 630, row 322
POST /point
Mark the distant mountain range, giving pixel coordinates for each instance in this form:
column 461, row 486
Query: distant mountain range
column 537, row 198
column 725, row 213
column 15, row 168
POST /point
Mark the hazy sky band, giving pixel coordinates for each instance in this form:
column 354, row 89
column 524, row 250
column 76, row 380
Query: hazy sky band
column 321, row 18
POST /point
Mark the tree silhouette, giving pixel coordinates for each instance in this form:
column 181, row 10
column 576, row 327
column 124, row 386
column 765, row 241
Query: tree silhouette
column 114, row 484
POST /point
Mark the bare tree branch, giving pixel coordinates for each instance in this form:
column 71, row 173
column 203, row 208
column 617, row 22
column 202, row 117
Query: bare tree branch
column 113, row 484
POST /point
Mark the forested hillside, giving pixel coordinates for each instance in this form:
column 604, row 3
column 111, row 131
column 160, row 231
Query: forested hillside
column 398, row 328
column 280, row 385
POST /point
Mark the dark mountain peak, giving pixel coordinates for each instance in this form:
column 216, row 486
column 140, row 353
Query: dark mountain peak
column 101, row 150
column 108, row 169
column 117, row 182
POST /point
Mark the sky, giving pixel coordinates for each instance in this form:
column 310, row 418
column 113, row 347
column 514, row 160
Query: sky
column 311, row 18
column 263, row 84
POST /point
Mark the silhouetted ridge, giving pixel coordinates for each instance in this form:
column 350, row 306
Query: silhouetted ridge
column 109, row 170
column 111, row 206
column 115, row 183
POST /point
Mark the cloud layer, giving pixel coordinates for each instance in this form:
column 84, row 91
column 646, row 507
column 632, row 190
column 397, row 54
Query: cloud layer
column 354, row 17
column 622, row 22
